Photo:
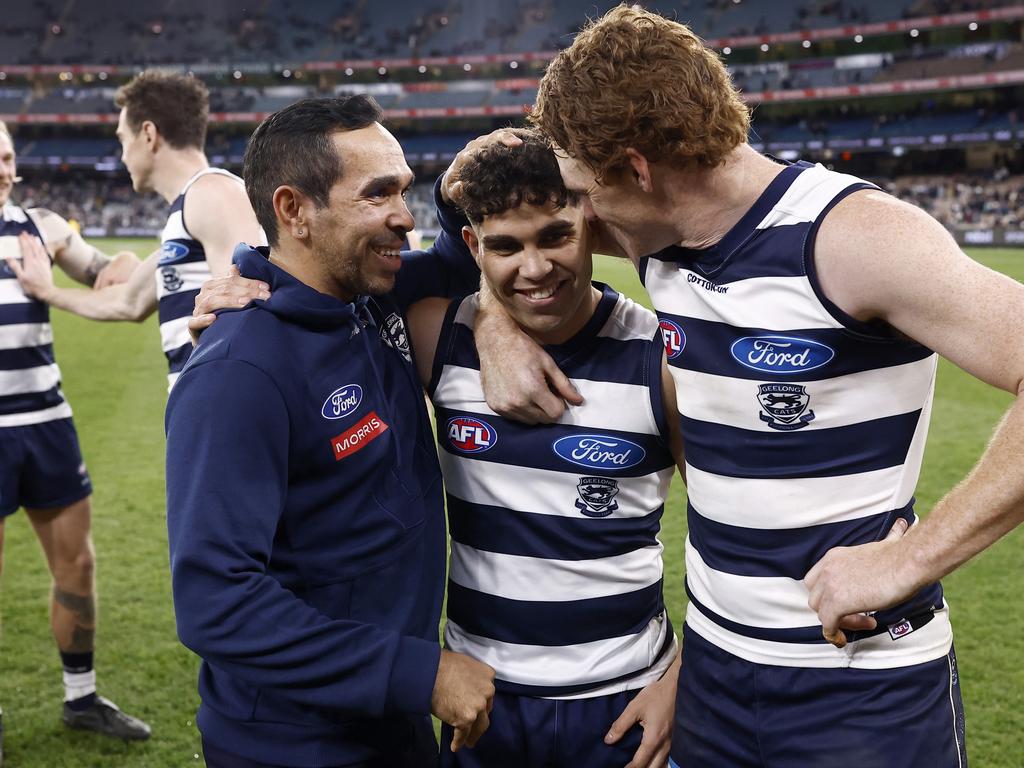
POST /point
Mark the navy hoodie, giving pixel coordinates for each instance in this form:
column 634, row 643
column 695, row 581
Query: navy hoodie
column 306, row 525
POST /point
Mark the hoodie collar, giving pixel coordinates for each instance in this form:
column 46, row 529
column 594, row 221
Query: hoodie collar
column 291, row 299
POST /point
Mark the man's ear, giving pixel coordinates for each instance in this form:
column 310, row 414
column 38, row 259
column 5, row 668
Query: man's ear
column 640, row 169
column 151, row 134
column 472, row 242
column 291, row 208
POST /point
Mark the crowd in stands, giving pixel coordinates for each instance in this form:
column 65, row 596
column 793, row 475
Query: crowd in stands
column 194, row 31
column 994, row 201
column 109, row 204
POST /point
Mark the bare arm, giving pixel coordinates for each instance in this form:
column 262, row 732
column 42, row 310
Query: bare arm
column 675, row 429
column 81, row 261
column 218, row 214
column 133, row 300
column 905, row 269
column 425, row 319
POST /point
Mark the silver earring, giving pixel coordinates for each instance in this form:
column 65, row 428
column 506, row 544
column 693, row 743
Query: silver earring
column 301, row 232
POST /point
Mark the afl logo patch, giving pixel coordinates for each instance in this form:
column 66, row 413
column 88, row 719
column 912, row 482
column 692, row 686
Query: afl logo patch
column 781, row 354
column 342, row 401
column 674, row 338
column 171, row 252
column 468, row 435
column 599, row 451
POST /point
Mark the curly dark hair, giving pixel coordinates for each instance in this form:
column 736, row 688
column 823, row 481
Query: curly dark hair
column 499, row 178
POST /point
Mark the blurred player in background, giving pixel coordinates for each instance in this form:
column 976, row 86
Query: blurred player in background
column 41, row 466
column 162, row 130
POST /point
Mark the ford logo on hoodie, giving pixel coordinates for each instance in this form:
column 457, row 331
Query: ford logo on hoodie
column 599, row 451
column 781, row 354
column 342, row 401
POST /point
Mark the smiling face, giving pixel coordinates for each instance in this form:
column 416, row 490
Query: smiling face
column 8, row 167
column 358, row 236
column 537, row 261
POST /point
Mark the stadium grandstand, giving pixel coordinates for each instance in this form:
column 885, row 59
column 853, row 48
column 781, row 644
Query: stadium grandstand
column 921, row 96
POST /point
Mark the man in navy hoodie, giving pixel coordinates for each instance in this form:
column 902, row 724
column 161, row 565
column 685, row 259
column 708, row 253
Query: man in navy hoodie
column 305, row 514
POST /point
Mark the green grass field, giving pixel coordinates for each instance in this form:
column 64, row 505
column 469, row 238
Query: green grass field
column 114, row 378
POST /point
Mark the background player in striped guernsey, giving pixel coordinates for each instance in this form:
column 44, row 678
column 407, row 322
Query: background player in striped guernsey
column 162, row 130
column 556, row 575
column 807, row 390
column 41, row 466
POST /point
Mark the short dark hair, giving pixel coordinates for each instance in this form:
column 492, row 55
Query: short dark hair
column 178, row 105
column 293, row 147
column 499, row 178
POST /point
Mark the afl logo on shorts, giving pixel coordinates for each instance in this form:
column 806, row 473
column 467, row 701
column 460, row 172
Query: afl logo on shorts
column 341, row 402
column 468, row 435
column 674, row 338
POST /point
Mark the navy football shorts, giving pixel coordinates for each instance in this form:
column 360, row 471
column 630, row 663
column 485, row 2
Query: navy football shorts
column 528, row 731
column 731, row 712
column 41, row 467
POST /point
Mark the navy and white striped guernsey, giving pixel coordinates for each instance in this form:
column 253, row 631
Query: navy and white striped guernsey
column 804, row 430
column 555, row 577
column 180, row 274
column 29, row 377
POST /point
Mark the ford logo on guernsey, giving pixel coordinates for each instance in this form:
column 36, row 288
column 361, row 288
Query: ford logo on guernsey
column 171, row 252
column 470, row 435
column 781, row 354
column 599, row 451
column 342, row 401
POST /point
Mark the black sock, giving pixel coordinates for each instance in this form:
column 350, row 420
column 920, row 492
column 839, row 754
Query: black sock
column 77, row 664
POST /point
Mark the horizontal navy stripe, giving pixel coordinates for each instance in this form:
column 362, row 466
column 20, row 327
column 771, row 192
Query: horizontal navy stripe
column 175, row 305
column 810, row 634
column 532, row 446
column 31, row 312
column 779, row 254
column 709, row 350
column 30, row 401
column 26, row 357
column 808, row 452
column 788, row 552
column 603, row 359
column 530, row 534
column 519, row 689
column 177, row 358
column 929, row 598
column 553, row 623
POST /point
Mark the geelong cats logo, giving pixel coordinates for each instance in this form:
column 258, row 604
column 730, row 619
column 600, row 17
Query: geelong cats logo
column 783, row 406
column 597, row 496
